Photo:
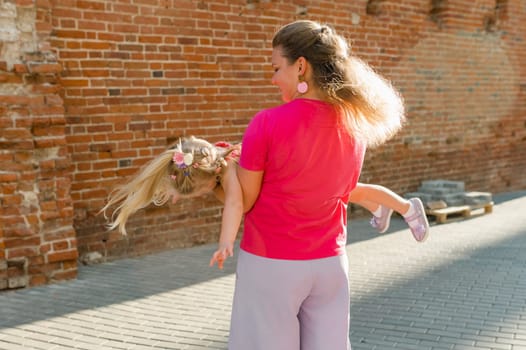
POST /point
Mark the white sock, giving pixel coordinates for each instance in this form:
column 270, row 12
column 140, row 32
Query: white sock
column 410, row 211
column 378, row 211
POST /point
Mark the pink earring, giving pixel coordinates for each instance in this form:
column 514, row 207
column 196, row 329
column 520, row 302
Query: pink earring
column 302, row 87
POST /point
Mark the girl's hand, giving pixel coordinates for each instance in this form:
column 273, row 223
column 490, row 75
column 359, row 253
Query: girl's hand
column 224, row 251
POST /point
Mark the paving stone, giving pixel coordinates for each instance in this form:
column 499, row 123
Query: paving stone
column 463, row 288
column 457, row 186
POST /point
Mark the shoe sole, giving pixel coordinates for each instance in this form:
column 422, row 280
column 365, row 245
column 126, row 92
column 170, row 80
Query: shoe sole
column 388, row 222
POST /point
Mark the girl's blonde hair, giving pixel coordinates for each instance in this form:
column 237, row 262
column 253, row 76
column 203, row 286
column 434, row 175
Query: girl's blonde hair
column 188, row 166
column 372, row 109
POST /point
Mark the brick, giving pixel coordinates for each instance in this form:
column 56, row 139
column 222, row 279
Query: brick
column 62, row 245
column 45, row 68
column 14, row 253
column 7, row 177
column 37, row 280
column 44, row 248
column 65, row 275
column 62, row 256
column 21, row 242
column 453, row 186
column 17, row 282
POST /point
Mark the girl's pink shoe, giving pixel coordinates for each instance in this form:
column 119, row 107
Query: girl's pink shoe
column 417, row 222
column 381, row 223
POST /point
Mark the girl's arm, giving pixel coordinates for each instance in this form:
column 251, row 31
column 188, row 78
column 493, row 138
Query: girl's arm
column 229, row 192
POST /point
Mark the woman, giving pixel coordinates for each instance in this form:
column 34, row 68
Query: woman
column 300, row 161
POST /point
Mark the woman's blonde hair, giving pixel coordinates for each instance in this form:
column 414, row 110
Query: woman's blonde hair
column 372, row 109
column 188, row 166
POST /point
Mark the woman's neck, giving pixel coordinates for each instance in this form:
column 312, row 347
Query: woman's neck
column 312, row 94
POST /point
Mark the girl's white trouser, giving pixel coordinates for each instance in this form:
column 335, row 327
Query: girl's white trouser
column 290, row 304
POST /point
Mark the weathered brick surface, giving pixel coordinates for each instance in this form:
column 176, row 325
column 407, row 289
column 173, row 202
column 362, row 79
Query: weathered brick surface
column 104, row 86
column 37, row 234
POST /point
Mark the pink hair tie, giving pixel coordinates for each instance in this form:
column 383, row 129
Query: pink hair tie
column 222, row 144
column 183, row 160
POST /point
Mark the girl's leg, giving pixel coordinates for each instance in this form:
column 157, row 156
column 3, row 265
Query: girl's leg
column 369, row 205
column 386, row 201
column 372, row 197
column 364, row 194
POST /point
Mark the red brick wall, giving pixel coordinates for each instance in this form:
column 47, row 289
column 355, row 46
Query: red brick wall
column 133, row 83
column 37, row 239
column 458, row 64
column 135, row 75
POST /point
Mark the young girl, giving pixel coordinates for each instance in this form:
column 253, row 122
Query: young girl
column 194, row 167
column 191, row 168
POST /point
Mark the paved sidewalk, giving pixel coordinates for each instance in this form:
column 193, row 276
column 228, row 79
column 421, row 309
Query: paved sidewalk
column 464, row 288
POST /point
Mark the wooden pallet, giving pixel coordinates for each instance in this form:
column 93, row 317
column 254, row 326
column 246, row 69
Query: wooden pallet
column 465, row 211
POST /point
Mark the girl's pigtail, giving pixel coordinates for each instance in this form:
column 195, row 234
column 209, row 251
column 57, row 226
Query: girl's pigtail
column 151, row 185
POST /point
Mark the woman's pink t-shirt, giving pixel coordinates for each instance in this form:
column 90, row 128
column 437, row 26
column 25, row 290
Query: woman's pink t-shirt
column 310, row 166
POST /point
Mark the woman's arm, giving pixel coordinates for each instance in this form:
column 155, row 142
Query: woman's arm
column 250, row 182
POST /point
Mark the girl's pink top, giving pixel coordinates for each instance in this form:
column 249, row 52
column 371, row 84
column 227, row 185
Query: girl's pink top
column 310, row 166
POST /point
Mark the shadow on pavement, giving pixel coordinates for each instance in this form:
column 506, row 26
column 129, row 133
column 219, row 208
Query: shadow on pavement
column 465, row 285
